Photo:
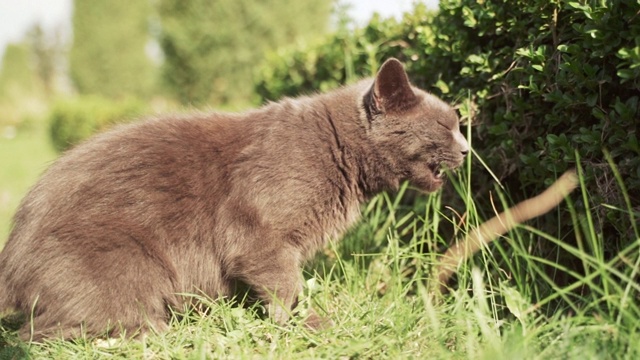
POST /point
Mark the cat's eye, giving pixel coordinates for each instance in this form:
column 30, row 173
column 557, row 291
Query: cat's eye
column 444, row 125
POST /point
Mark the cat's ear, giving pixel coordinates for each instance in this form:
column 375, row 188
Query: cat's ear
column 391, row 88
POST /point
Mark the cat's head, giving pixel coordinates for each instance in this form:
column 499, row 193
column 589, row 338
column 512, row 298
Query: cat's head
column 416, row 133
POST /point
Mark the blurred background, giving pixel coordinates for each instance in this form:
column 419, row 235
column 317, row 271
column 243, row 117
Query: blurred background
column 193, row 53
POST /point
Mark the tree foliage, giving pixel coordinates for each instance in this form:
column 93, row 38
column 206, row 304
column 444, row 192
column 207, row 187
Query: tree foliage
column 108, row 52
column 211, row 48
column 20, row 88
column 16, row 74
column 46, row 52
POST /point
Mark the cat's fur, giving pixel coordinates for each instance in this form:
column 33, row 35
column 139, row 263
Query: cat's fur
column 122, row 224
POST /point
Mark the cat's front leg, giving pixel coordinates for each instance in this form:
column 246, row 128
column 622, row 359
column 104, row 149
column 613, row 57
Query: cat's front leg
column 284, row 303
column 276, row 277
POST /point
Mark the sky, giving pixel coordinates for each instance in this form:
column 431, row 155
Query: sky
column 361, row 10
column 16, row 16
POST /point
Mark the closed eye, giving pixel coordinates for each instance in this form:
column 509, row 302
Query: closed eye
column 444, row 125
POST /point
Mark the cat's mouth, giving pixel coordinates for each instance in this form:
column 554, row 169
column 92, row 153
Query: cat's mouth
column 438, row 170
column 431, row 176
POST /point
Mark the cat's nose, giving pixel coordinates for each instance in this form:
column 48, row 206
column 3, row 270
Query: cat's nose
column 463, row 145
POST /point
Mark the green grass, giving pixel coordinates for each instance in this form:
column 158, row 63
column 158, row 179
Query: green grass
column 374, row 285
column 22, row 159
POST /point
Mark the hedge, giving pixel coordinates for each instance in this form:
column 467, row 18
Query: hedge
column 539, row 81
column 73, row 120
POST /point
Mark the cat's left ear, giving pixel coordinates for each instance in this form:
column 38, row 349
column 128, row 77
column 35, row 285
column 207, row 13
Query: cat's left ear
column 391, row 88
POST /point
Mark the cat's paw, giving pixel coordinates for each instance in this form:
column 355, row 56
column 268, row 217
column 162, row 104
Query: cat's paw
column 317, row 322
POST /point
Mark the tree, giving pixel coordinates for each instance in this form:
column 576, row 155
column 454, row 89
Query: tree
column 46, row 51
column 16, row 74
column 20, row 89
column 212, row 48
column 108, row 53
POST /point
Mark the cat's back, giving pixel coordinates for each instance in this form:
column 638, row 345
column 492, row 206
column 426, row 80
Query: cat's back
column 177, row 144
column 152, row 168
column 159, row 142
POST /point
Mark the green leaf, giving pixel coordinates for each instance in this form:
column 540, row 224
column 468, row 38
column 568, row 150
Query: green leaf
column 475, row 59
column 517, row 304
column 444, row 88
column 598, row 114
column 626, row 74
column 469, row 18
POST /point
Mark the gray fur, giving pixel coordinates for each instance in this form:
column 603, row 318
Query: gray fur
column 121, row 224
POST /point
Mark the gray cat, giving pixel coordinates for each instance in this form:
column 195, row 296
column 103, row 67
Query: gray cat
column 122, row 224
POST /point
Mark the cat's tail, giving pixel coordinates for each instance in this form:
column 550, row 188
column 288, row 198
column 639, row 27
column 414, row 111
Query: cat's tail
column 501, row 224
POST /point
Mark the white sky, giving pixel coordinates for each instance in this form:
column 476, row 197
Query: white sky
column 361, row 10
column 16, row 16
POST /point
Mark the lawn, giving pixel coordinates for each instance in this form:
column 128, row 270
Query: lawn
column 374, row 285
column 24, row 155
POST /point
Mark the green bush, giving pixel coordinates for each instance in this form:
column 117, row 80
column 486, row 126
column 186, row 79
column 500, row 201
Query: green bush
column 540, row 82
column 74, row 120
column 550, row 79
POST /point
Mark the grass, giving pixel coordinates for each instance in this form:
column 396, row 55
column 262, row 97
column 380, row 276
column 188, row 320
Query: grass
column 24, row 155
column 374, row 286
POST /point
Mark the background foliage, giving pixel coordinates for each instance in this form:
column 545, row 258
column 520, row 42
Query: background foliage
column 208, row 51
column 22, row 90
column 73, row 120
column 545, row 85
column 212, row 48
column 108, row 53
column 16, row 78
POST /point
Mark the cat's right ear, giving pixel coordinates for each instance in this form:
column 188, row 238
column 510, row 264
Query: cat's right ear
column 391, row 89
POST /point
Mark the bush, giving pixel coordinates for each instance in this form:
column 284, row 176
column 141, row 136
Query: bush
column 74, row 120
column 540, row 81
column 550, row 80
